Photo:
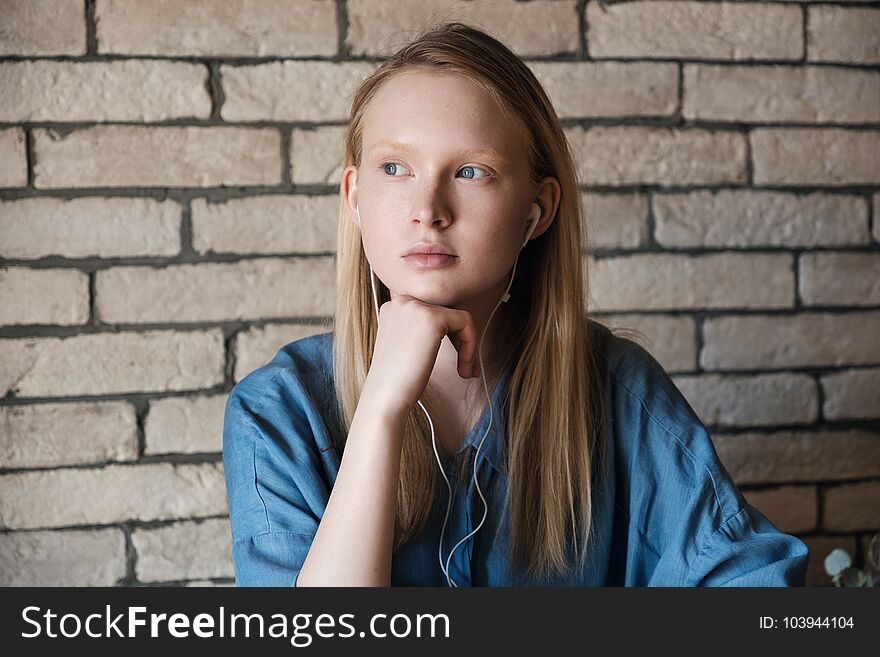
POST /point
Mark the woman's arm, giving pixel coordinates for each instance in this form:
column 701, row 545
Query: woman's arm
column 353, row 544
column 748, row 550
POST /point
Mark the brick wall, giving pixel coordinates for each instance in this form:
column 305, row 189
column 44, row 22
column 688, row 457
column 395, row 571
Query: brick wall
column 161, row 161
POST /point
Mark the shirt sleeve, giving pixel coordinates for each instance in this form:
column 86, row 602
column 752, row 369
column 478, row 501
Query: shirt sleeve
column 696, row 528
column 748, row 550
column 745, row 550
column 275, row 485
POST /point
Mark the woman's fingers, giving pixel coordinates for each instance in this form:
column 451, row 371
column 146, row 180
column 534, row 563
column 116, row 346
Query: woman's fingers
column 462, row 334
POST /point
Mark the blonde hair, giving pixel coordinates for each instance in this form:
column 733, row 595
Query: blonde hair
column 553, row 397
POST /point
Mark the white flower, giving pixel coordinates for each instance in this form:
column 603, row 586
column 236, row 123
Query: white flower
column 837, row 561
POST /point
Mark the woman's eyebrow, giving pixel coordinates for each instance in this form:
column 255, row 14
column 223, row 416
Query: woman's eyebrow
column 396, row 145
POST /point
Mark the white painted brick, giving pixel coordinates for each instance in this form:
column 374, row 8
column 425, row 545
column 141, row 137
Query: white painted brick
column 798, row 456
column 378, row 27
column 115, row 493
column 103, row 91
column 759, row 218
column 783, row 341
column 670, row 339
column 291, row 90
column 248, row 289
column 614, row 221
column 697, row 30
column 41, row 435
column 852, row 507
column 843, row 34
column 166, row 156
column 751, row 400
column 185, row 425
column 609, row 89
column 816, row 156
column 106, row 363
column 266, row 224
column 852, row 394
column 204, row 27
column 258, row 345
column 625, row 155
column 774, row 93
column 840, row 279
column 184, row 550
column 666, row 281
column 43, row 27
column 316, row 155
column 81, row 227
column 13, row 161
column 93, row 557
column 791, row 508
column 43, row 296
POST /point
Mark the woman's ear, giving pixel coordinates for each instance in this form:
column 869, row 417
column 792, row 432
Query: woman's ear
column 547, row 197
column 349, row 194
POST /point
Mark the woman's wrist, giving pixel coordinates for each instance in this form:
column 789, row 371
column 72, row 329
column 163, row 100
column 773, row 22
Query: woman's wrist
column 384, row 401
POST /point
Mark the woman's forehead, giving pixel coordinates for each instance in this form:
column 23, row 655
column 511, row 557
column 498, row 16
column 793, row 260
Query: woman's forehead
column 413, row 109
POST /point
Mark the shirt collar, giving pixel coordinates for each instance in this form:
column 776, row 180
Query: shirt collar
column 492, row 449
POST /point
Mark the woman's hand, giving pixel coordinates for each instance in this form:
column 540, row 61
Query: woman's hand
column 408, row 341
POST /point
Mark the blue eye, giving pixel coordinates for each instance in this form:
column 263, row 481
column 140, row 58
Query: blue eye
column 389, row 164
column 473, row 168
column 384, row 166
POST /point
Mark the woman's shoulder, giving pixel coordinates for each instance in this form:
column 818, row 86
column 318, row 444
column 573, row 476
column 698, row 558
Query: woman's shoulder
column 293, row 388
column 634, row 375
column 277, row 460
column 675, row 494
column 303, row 360
column 654, row 427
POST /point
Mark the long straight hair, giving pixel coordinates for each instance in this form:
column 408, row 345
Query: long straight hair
column 553, row 397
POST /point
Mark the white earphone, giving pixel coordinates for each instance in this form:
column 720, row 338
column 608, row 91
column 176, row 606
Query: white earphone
column 534, row 215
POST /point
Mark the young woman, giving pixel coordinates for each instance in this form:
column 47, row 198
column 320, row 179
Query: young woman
column 465, row 423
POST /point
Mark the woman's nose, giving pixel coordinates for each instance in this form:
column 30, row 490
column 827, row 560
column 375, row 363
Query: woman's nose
column 431, row 207
column 433, row 220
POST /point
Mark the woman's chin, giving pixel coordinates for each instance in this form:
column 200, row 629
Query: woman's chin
column 430, row 294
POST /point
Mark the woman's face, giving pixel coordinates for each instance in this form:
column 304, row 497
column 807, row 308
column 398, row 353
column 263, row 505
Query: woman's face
column 440, row 165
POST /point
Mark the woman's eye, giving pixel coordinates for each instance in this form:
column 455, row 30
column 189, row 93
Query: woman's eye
column 387, row 167
column 473, row 168
column 389, row 164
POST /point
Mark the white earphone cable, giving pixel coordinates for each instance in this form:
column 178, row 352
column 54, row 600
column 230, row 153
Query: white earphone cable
column 433, row 441
column 505, row 297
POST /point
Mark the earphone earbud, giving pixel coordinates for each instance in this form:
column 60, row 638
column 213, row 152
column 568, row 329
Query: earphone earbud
column 534, row 216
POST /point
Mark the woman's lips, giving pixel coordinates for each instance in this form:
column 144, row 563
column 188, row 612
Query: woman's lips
column 429, row 260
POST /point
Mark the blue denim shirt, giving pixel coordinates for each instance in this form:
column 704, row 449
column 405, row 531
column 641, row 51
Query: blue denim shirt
column 668, row 514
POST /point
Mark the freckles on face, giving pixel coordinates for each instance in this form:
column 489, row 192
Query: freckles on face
column 436, row 142
column 439, row 163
